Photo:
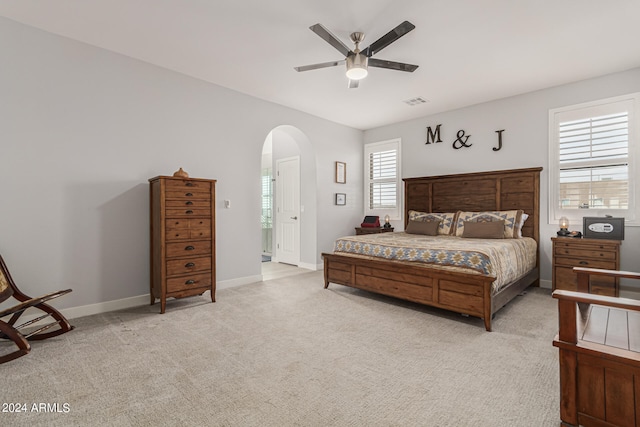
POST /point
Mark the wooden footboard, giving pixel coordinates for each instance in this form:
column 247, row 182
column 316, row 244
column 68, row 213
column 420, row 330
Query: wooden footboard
column 463, row 293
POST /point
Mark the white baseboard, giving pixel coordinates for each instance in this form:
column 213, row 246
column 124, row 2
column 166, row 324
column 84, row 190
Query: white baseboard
column 224, row 284
column 308, row 266
column 104, row 307
column 546, row 284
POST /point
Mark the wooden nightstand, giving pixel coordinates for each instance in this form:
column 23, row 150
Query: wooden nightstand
column 372, row 230
column 569, row 252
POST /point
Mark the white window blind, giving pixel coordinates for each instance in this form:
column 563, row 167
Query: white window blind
column 594, row 162
column 593, row 151
column 382, row 179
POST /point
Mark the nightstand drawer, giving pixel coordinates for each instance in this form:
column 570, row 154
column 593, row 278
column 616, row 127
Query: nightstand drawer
column 579, row 252
column 585, row 262
column 588, row 244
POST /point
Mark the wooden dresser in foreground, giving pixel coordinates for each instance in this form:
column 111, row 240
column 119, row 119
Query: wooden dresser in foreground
column 569, row 252
column 183, row 248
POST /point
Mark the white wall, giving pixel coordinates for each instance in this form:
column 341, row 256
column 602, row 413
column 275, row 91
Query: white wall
column 82, row 130
column 525, row 144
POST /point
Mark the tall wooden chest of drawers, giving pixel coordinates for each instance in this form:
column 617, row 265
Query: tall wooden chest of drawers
column 183, row 243
column 569, row 252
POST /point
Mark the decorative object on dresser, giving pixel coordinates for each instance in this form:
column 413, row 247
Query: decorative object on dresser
column 590, row 253
column 183, row 244
column 180, row 174
column 564, row 226
column 564, row 229
column 599, row 355
column 463, row 291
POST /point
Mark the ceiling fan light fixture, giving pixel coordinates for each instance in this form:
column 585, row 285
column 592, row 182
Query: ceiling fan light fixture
column 357, row 66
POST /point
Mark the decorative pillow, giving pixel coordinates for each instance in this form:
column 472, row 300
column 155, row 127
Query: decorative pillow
column 428, row 228
column 511, row 220
column 521, row 223
column 447, row 220
column 484, row 230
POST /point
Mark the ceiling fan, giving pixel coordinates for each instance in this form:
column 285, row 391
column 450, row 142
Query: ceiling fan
column 358, row 60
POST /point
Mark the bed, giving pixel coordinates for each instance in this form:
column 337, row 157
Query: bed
column 456, row 288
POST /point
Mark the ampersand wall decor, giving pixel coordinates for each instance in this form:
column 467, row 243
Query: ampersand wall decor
column 461, row 140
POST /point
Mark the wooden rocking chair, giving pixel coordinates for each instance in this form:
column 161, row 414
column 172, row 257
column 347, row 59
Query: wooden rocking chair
column 9, row 330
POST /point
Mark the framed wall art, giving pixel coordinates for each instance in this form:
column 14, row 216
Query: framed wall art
column 341, row 172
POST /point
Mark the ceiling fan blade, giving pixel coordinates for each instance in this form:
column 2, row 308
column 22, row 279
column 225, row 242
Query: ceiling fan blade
column 322, row 65
column 400, row 66
column 389, row 38
column 353, row 84
column 320, row 30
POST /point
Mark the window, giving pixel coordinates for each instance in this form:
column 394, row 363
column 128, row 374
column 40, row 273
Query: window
column 594, row 151
column 266, row 218
column 382, row 180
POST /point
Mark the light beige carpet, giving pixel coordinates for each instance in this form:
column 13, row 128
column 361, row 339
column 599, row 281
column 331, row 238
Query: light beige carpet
column 287, row 352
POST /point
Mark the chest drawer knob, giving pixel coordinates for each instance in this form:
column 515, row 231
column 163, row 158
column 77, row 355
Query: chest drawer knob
column 189, row 194
column 190, row 264
column 189, row 212
column 189, row 248
column 189, row 184
column 189, row 203
column 189, row 282
column 584, row 263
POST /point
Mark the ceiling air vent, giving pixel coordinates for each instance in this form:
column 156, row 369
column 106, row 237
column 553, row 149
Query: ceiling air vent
column 416, row 101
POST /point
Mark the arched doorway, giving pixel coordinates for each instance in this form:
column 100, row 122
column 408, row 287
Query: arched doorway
column 284, row 143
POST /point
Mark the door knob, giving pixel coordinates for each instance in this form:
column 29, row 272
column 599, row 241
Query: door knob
column 294, row 217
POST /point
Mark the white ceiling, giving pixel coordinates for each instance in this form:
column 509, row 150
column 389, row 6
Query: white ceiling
column 469, row 51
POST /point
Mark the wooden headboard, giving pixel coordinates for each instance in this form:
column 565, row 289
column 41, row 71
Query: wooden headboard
column 479, row 191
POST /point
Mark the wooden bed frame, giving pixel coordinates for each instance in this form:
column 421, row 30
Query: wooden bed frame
column 464, row 293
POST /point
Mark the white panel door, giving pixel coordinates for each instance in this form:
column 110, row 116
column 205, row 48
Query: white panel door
column 288, row 210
